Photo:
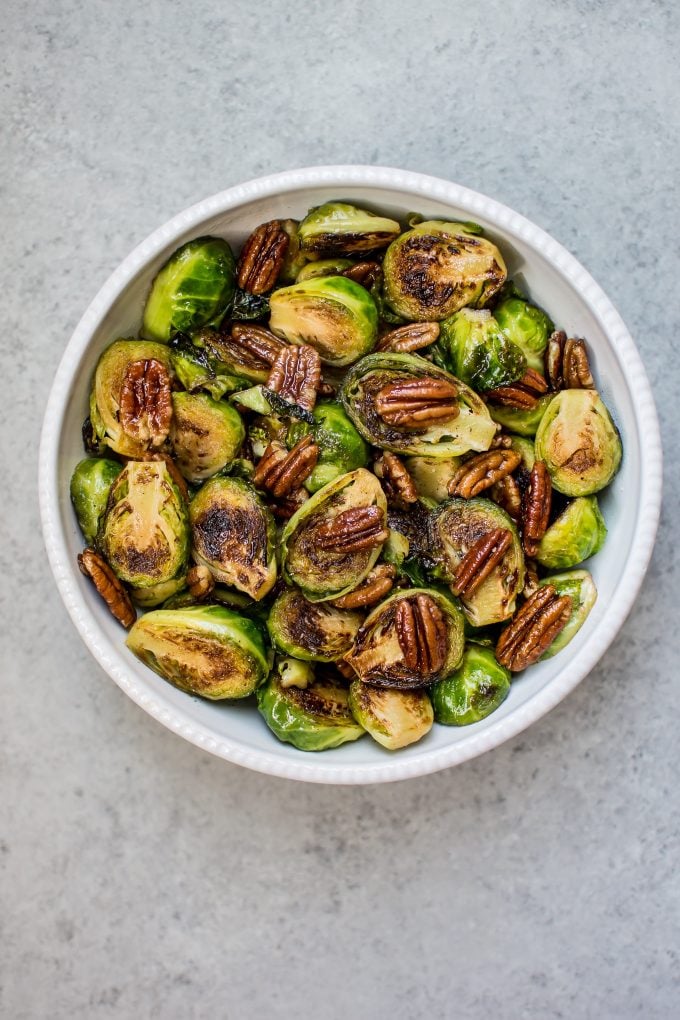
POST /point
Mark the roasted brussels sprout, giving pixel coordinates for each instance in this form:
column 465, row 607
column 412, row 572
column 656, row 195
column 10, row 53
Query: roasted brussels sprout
column 578, row 442
column 526, row 325
column 431, row 475
column 520, row 420
column 578, row 532
column 196, row 370
column 293, row 673
column 311, row 719
column 473, row 691
column 337, row 228
column 233, row 535
column 317, row 632
column 473, row 347
column 295, row 259
column 324, row 267
column 90, row 485
column 193, row 288
column 159, row 594
column 331, row 313
column 206, row 434
column 437, row 268
column 341, row 448
column 392, row 717
column 331, row 543
column 205, row 650
column 579, row 585
column 525, row 448
column 469, row 428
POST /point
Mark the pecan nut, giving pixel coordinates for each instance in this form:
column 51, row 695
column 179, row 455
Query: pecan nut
column 109, row 586
column 259, row 342
column 536, row 508
column 417, row 403
column 524, row 393
column 533, row 628
column 352, row 530
column 200, row 582
column 422, row 634
column 506, row 493
column 262, row 258
column 371, row 590
column 566, row 363
column 482, row 471
column 290, row 504
column 480, row 560
column 295, row 375
column 365, row 273
column 146, row 403
column 412, row 337
column 280, row 471
column 398, row 485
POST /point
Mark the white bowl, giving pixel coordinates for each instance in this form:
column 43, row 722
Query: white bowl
column 555, row 279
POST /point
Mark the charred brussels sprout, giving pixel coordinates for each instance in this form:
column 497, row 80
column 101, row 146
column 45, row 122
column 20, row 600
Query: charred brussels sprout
column 473, row 691
column 312, row 719
column 196, row 370
column 438, row 268
column 193, row 288
column 579, row 443
column 90, row 486
column 472, row 346
column 206, row 434
column 331, row 313
column 526, row 325
column 324, row 267
column 579, row 585
column 393, row 718
column 341, row 448
column 317, row 632
column 205, row 650
column 523, row 421
column 432, row 475
column 338, row 229
column 233, row 535
column 579, row 532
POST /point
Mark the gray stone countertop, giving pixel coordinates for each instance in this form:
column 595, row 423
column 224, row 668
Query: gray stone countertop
column 144, row 878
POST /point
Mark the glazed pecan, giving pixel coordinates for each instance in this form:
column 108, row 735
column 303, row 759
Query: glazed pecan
column 411, row 337
column 146, row 403
column 536, row 508
column 262, row 257
column 200, row 582
column 501, row 442
column 482, row 471
column 566, row 363
column 397, row 482
column 533, row 628
column 280, row 470
column 422, row 634
column 506, row 493
column 109, row 587
column 352, row 530
column 524, row 393
column 295, row 375
column 371, row 590
column 479, row 561
column 365, row 273
column 417, row 403
column 259, row 342
column 290, row 504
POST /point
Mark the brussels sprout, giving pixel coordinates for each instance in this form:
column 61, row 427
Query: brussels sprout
column 431, row 475
column 396, row 548
column 336, row 228
column 295, row 259
column 324, row 267
column 331, row 313
column 293, row 673
column 205, row 650
column 192, row 289
column 317, row 632
column 160, row 594
column 247, row 307
column 579, row 585
column 323, row 573
column 523, row 421
column 341, row 448
column 579, row 443
column 392, row 717
column 196, row 370
column 90, row 485
column 438, row 268
column 472, row 347
column 525, row 448
column 144, row 533
column 377, row 656
column 455, row 526
column 526, row 325
column 312, row 719
column 472, row 429
column 233, row 535
column 231, row 359
column 206, row 434
column 266, row 402
column 107, row 383
column 473, row 691
column 579, row 532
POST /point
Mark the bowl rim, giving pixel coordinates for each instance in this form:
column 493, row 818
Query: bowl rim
column 314, row 769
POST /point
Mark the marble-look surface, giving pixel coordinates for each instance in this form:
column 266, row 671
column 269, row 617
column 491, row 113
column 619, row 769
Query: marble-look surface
column 142, row 878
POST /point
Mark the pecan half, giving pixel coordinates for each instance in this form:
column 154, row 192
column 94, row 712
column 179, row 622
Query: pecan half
column 352, row 530
column 259, row 342
column 411, row 337
column 506, row 493
column 422, row 634
column 365, row 273
column 533, row 628
column 566, row 363
column 146, row 403
column 417, row 403
column 109, row 587
column 262, row 257
column 397, row 482
column 280, row 470
column 290, row 504
column 295, row 375
column 482, row 471
column 479, row 561
column 536, row 508
column 200, row 582
column 524, row 393
column 371, row 590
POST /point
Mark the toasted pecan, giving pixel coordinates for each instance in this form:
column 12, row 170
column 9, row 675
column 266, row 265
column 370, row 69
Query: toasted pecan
column 533, row 628
column 566, row 363
column 371, row 590
column 411, row 337
column 422, row 634
column 482, row 471
column 146, row 403
column 352, row 530
column 262, row 258
column 109, row 586
column 295, row 375
column 396, row 481
column 418, row 403
column 280, row 470
column 536, row 508
column 480, row 560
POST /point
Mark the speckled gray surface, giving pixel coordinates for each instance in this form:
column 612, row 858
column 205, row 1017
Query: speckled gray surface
column 141, row 877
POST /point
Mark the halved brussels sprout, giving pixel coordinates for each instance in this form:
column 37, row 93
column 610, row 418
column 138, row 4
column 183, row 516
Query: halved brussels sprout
column 337, row 228
column 317, row 632
column 206, row 434
column 579, row 532
column 107, row 383
column 324, row 267
column 90, row 486
column 392, row 717
column 526, row 325
column 524, row 422
column 437, row 268
column 377, row 656
column 205, row 650
column 579, row 585
column 325, row 573
column 335, row 315
column 193, row 288
column 233, row 535
column 579, row 443
column 473, row 691
column 312, row 719
column 473, row 347
column 472, row 429
column 196, row 370
column 341, row 448
column 455, row 526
